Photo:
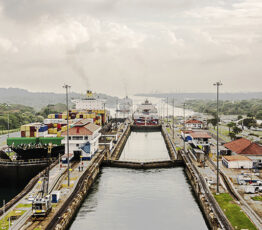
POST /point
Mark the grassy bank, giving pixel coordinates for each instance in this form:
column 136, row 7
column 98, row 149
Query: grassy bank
column 234, row 213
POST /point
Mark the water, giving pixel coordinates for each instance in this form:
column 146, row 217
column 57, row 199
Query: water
column 139, row 147
column 123, row 199
column 7, row 193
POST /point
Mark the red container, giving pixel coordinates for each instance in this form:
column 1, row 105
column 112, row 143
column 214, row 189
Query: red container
column 58, row 126
column 22, row 133
column 60, row 116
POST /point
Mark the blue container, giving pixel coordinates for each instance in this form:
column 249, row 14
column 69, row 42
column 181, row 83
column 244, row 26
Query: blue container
column 56, row 115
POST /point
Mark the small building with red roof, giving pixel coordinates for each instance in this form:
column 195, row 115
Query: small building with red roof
column 194, row 124
column 245, row 147
column 83, row 139
column 237, row 162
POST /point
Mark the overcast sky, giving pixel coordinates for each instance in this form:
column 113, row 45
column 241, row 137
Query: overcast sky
column 131, row 46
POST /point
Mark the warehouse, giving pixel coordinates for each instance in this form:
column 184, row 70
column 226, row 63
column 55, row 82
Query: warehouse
column 237, row 162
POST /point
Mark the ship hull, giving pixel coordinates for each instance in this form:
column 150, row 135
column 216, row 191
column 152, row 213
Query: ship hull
column 16, row 174
column 36, row 153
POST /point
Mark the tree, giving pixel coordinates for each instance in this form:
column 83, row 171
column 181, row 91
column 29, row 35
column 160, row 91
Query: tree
column 248, row 122
column 236, row 130
column 230, row 125
column 259, row 115
column 232, row 135
column 239, row 117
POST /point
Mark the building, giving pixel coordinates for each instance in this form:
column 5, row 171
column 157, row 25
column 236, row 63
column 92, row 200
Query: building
column 237, row 162
column 194, row 124
column 83, row 139
column 244, row 147
column 90, row 102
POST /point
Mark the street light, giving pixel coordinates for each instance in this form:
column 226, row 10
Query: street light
column 8, row 123
column 217, row 84
column 68, row 164
column 184, row 127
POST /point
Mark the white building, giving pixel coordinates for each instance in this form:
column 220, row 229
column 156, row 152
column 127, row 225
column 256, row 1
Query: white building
column 83, row 139
column 89, row 103
column 194, row 124
column 237, row 162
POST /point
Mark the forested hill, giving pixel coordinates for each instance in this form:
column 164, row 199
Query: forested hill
column 251, row 107
column 39, row 100
column 207, row 96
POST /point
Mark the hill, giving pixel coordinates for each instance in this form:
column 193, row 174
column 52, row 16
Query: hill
column 39, row 100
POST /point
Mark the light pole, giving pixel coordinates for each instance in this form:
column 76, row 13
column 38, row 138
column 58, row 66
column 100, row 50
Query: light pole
column 68, row 164
column 217, row 84
column 8, row 123
column 173, row 119
column 184, row 127
column 167, row 109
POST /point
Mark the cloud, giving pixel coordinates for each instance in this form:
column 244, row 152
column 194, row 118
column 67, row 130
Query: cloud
column 149, row 45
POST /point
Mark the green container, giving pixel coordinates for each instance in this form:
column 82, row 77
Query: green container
column 34, row 140
column 53, row 140
column 21, row 140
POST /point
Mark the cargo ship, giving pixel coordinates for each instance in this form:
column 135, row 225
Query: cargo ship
column 146, row 114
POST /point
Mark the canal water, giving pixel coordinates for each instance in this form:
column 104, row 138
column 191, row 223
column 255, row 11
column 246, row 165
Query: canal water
column 139, row 147
column 123, row 199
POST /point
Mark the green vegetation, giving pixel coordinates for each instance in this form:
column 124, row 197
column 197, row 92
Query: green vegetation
column 57, row 108
column 24, row 206
column 252, row 108
column 234, row 213
column 20, row 114
column 4, row 222
column 257, row 198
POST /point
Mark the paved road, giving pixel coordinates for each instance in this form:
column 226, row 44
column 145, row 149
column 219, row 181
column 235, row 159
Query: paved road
column 4, row 137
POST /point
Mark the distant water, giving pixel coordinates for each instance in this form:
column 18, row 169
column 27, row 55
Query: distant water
column 139, row 147
column 125, row 199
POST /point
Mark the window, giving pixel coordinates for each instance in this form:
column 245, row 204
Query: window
column 77, row 137
column 86, row 137
column 69, row 138
column 77, row 145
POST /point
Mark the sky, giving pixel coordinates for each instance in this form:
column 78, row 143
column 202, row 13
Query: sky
column 124, row 47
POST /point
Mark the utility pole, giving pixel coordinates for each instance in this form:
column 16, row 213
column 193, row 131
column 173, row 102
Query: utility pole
column 8, row 124
column 167, row 109
column 173, row 119
column 184, row 127
column 217, row 84
column 68, row 163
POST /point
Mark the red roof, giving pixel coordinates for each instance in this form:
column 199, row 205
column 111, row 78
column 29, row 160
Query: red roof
column 236, row 158
column 86, row 130
column 200, row 135
column 78, row 131
column 194, row 121
column 244, row 146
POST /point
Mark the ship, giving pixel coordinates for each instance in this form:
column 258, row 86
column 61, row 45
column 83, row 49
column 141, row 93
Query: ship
column 124, row 108
column 146, row 114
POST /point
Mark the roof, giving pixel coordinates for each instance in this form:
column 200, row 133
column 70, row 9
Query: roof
column 237, row 158
column 81, row 122
column 86, row 130
column 200, row 135
column 77, row 131
column 194, row 121
column 244, row 146
column 92, row 127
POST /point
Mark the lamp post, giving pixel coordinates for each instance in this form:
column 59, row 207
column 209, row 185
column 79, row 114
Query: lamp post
column 173, row 131
column 68, row 164
column 217, row 84
column 8, row 123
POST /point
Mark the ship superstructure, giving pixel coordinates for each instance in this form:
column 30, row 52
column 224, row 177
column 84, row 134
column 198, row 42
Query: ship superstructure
column 146, row 114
